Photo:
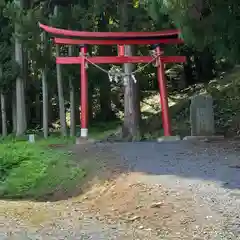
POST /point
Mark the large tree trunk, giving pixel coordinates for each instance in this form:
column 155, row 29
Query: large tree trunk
column 188, row 68
column 3, row 109
column 72, row 100
column 25, row 82
column 106, row 113
column 50, row 110
column 38, row 105
column 20, row 93
column 131, row 127
column 45, row 103
column 20, row 96
column 90, row 102
column 207, row 64
column 44, row 89
column 14, row 112
column 60, row 90
column 72, row 109
column 25, row 87
column 4, row 115
column 61, row 96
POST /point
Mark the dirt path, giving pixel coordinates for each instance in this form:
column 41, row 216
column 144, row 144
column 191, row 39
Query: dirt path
column 158, row 191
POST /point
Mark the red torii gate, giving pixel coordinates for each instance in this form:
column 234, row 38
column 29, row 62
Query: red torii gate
column 120, row 39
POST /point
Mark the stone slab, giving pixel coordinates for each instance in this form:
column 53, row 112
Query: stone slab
column 202, row 115
column 203, row 138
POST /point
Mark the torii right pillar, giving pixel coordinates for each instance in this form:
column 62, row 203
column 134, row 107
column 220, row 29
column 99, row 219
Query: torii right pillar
column 166, row 121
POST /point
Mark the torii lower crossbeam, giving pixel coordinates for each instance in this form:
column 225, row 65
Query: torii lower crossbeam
column 121, row 59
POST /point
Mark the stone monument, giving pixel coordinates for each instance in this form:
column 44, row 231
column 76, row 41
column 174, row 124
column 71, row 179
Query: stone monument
column 202, row 115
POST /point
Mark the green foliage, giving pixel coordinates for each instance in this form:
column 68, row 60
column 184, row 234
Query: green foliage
column 30, row 170
column 26, row 29
column 203, row 23
column 10, row 72
column 226, row 94
column 9, row 68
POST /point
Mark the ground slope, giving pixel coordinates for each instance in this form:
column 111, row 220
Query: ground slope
column 151, row 191
column 225, row 91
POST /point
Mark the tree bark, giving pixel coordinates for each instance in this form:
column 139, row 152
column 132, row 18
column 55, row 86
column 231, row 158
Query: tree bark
column 106, row 113
column 45, row 102
column 20, row 93
column 44, row 89
column 60, row 91
column 72, row 100
column 61, row 96
column 132, row 115
column 20, row 97
column 72, row 109
column 38, row 105
column 3, row 109
column 131, row 128
column 14, row 112
column 4, row 115
column 90, row 102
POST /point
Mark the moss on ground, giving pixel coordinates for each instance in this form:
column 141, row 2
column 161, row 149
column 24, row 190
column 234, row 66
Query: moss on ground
column 34, row 171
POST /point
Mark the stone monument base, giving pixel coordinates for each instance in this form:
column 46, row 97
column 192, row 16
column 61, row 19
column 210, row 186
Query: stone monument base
column 168, row 139
column 203, row 138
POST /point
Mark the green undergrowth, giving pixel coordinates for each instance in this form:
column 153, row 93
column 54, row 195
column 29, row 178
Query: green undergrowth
column 97, row 131
column 225, row 91
column 40, row 170
column 102, row 130
column 34, row 171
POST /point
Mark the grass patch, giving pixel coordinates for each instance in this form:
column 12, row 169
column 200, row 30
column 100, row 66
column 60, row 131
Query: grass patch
column 44, row 169
column 34, row 171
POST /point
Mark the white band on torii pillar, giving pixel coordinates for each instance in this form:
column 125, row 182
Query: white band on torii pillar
column 84, row 132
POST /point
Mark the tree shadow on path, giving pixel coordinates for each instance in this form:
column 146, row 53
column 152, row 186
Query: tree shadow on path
column 215, row 162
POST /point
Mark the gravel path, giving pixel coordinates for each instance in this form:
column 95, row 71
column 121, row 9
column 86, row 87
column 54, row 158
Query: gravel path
column 210, row 171
column 195, row 188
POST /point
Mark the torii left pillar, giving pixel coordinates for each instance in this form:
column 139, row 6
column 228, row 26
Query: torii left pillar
column 84, row 92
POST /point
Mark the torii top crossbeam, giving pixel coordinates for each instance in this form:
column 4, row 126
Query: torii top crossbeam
column 112, row 38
